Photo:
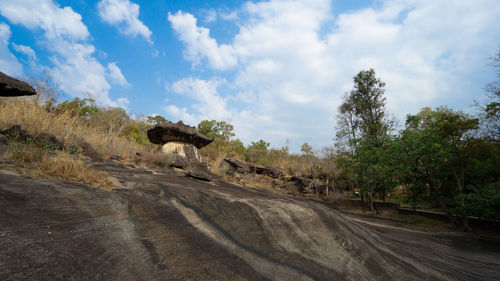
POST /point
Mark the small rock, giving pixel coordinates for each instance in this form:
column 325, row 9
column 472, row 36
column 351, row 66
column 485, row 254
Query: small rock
column 115, row 157
column 200, row 172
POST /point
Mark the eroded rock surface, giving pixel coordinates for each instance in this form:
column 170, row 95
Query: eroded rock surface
column 247, row 167
column 162, row 225
column 11, row 87
column 177, row 132
column 188, row 152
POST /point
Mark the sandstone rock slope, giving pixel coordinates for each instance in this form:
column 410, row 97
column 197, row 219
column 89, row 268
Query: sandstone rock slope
column 161, row 225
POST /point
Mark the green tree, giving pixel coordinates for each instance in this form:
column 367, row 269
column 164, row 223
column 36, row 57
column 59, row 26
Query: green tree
column 368, row 102
column 83, row 107
column 218, row 129
column 306, row 149
column 363, row 126
column 347, row 125
column 237, row 148
column 433, row 151
column 257, row 152
column 156, row 119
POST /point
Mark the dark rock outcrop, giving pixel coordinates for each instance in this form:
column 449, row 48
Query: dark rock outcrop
column 43, row 139
column 200, row 172
column 304, row 185
column 11, row 87
column 246, row 168
column 177, row 132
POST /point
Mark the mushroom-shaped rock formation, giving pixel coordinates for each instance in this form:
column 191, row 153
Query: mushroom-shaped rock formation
column 11, row 87
column 179, row 139
column 178, row 132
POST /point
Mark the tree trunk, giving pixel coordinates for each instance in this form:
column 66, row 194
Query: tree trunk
column 465, row 219
column 362, row 199
column 441, row 203
column 371, row 199
column 326, row 191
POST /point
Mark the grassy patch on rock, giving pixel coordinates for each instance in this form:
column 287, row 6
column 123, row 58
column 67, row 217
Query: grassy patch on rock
column 41, row 162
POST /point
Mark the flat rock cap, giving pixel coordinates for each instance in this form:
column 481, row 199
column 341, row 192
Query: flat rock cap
column 11, row 87
column 179, row 132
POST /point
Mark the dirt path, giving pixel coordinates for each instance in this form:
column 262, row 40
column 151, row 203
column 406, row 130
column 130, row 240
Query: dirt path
column 161, row 225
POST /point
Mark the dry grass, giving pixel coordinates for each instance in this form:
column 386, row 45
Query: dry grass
column 255, row 181
column 43, row 163
column 69, row 129
column 65, row 127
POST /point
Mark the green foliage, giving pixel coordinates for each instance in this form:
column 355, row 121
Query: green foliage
column 237, row 148
column 480, row 201
column 83, row 107
column 257, row 152
column 216, row 129
column 362, row 131
column 368, row 104
column 306, row 149
column 134, row 133
column 156, row 120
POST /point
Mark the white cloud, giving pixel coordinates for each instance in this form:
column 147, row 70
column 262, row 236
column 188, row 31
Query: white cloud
column 199, row 44
column 27, row 50
column 233, row 15
column 8, row 62
column 211, row 16
column 123, row 103
column 78, row 73
column 208, row 103
column 181, row 114
column 125, row 14
column 295, row 59
column 116, row 76
column 45, row 14
column 76, row 70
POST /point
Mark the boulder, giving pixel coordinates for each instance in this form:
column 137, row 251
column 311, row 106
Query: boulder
column 245, row 168
column 275, row 172
column 11, row 87
column 200, row 172
column 43, row 139
column 177, row 132
column 239, row 166
column 303, row 184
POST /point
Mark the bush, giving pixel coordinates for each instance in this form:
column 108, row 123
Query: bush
column 481, row 201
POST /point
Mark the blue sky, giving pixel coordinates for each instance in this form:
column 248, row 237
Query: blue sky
column 276, row 69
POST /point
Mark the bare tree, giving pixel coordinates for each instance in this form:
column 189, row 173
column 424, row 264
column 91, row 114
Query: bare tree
column 45, row 88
